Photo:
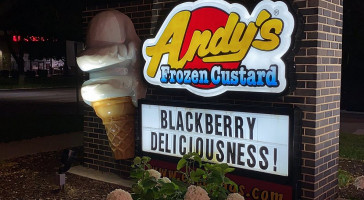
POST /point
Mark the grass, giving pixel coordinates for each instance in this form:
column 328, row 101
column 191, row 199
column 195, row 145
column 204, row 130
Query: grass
column 351, row 146
column 345, row 178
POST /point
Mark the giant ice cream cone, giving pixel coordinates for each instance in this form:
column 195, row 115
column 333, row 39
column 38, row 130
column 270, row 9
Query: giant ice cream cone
column 112, row 59
column 117, row 115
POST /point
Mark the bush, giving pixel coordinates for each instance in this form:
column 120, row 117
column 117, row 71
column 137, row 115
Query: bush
column 210, row 178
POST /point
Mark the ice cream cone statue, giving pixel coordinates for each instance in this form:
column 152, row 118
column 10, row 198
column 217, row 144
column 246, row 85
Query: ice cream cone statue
column 112, row 58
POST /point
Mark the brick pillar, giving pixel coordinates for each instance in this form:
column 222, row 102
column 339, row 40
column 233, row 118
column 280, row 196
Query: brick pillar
column 319, row 79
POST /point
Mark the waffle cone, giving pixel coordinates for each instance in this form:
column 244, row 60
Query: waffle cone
column 117, row 115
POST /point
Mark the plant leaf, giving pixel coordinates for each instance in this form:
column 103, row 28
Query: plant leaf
column 168, row 188
column 229, row 169
column 194, row 176
column 136, row 173
column 181, row 163
column 197, row 158
column 149, row 194
column 200, row 172
column 146, row 159
column 208, row 166
column 148, row 183
column 137, row 160
column 228, row 181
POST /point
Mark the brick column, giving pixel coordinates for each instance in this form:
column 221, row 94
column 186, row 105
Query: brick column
column 319, row 79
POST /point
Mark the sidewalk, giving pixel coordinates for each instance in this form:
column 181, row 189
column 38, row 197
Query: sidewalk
column 39, row 145
column 352, row 122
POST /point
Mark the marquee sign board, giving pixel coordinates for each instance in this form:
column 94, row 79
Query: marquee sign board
column 256, row 141
column 210, row 46
column 260, row 143
column 243, row 140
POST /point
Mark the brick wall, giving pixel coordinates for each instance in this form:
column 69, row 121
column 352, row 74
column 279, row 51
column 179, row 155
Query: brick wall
column 317, row 93
column 319, row 80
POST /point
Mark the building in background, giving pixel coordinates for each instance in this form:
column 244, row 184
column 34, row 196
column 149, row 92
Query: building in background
column 39, row 29
column 36, row 60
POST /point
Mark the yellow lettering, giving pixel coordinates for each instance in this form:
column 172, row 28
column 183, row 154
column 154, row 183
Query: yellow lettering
column 228, row 44
column 163, row 172
column 232, row 188
column 199, row 42
column 264, row 195
column 220, row 40
column 241, row 190
column 270, row 31
column 236, row 37
column 276, row 196
column 243, row 45
column 254, row 193
column 172, row 174
column 170, row 42
column 262, row 17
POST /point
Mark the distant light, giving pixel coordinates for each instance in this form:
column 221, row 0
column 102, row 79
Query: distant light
column 18, row 38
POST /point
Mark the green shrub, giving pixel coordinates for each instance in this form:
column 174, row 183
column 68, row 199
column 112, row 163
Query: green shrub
column 211, row 177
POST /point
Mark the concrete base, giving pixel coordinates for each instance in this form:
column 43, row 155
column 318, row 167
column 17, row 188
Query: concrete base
column 100, row 176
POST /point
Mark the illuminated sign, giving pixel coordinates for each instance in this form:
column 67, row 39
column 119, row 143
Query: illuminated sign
column 253, row 141
column 210, row 46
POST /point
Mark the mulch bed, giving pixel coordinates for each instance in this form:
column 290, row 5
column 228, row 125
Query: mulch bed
column 33, row 177
column 356, row 168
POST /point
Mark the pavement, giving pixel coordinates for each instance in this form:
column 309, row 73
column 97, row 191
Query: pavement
column 352, row 122
column 49, row 95
column 41, row 144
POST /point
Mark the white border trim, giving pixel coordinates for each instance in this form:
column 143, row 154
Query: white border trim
column 272, row 57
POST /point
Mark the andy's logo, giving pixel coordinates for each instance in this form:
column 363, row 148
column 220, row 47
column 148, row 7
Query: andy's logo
column 211, row 46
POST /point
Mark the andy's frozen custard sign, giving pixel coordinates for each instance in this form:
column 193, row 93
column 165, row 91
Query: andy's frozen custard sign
column 210, row 46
